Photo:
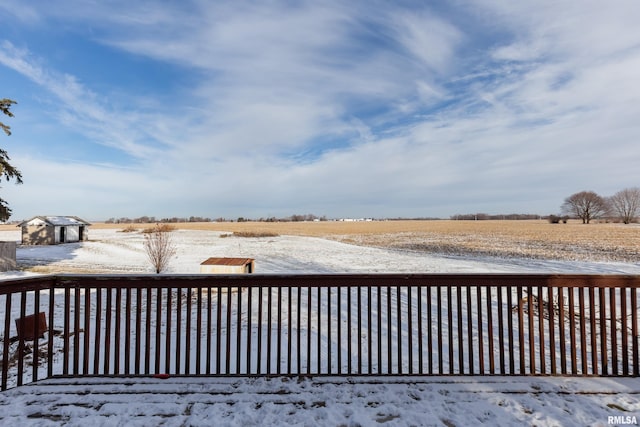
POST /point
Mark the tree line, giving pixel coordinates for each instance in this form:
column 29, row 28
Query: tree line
column 485, row 217
column 152, row 219
column 623, row 206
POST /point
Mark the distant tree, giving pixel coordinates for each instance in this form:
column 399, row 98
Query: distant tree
column 585, row 205
column 626, row 204
column 6, row 169
column 159, row 247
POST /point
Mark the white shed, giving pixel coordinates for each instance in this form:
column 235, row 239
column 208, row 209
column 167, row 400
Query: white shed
column 52, row 230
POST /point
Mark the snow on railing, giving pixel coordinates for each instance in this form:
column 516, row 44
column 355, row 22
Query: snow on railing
column 395, row 324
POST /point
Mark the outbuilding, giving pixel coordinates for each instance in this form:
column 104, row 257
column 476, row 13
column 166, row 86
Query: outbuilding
column 52, row 230
column 227, row 266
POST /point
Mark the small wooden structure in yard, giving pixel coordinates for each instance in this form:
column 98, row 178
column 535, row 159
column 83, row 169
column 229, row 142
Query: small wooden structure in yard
column 32, row 324
column 227, row 266
column 52, row 230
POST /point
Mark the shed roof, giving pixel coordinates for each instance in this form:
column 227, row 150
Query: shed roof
column 57, row 220
column 227, row 261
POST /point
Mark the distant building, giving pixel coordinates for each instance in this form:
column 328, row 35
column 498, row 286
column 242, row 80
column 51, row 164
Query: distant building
column 227, row 266
column 52, row 230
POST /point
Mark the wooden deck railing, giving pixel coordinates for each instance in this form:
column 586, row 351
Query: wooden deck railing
column 319, row 325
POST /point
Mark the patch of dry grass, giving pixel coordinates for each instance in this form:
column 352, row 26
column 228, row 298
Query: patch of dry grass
column 55, row 269
column 256, row 233
column 159, row 228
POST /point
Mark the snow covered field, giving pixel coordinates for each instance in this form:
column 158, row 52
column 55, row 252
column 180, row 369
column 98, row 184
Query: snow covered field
column 112, row 251
column 435, row 401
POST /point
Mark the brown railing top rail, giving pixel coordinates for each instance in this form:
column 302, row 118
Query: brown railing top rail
column 318, row 280
column 29, row 283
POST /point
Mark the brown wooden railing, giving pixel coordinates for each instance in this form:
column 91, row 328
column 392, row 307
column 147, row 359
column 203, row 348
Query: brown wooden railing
column 319, row 325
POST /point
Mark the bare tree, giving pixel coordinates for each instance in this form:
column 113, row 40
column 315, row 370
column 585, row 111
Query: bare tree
column 585, row 205
column 159, row 247
column 626, row 204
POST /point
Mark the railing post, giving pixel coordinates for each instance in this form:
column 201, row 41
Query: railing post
column 541, row 340
column 450, row 329
column 51, row 325
column 36, row 335
column 5, row 341
column 87, row 330
column 98, row 328
column 634, row 333
column 470, row 330
column 572, row 332
column 552, row 328
column 614, row 332
column 370, row 330
column 500, row 331
column 490, row 330
column 583, row 331
column 127, row 336
column 168, row 330
column 23, row 310
column 624, row 332
column 603, row 334
column 593, row 329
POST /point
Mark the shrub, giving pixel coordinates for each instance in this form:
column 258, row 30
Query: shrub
column 254, row 234
column 250, row 234
column 162, row 228
column 159, row 247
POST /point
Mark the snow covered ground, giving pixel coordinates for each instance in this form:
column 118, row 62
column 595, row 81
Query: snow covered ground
column 447, row 401
column 111, row 251
column 323, row 401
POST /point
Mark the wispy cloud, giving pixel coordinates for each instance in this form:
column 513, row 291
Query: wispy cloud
column 292, row 73
column 359, row 108
column 78, row 107
column 24, row 12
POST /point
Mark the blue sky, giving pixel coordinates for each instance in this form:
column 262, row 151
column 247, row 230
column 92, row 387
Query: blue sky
column 343, row 109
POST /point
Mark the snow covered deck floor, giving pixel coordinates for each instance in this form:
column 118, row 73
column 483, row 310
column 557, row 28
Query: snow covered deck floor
column 449, row 401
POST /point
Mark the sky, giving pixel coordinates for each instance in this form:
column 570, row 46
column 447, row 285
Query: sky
column 342, row 109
